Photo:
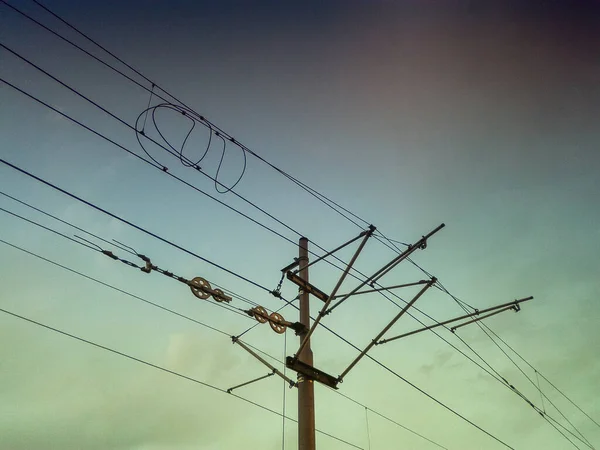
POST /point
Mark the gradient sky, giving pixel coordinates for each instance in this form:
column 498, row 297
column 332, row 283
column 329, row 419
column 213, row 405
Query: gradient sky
column 479, row 114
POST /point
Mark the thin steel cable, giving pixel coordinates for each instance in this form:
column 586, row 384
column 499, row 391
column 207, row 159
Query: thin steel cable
column 129, row 294
column 540, row 390
column 57, row 218
column 368, row 431
column 163, row 369
column 483, row 328
column 543, row 377
column 122, row 291
column 137, row 227
column 48, row 229
column 153, row 164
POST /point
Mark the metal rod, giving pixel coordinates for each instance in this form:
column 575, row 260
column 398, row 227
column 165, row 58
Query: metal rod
column 389, row 325
column 250, row 382
column 384, row 288
column 369, row 231
column 421, row 243
column 483, row 317
column 389, row 266
column 306, row 388
column 466, row 316
column 249, row 350
column 366, row 235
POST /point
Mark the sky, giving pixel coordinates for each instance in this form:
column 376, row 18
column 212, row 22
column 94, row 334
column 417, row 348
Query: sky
column 477, row 114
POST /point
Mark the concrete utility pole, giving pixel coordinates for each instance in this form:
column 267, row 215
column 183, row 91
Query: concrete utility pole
column 306, row 388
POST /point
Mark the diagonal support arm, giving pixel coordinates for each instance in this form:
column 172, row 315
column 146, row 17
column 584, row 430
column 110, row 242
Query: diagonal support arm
column 367, row 235
column 385, row 330
column 508, row 305
column 262, row 360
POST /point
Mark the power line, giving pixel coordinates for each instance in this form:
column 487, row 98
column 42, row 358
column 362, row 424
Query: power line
column 250, row 152
column 48, row 229
column 542, row 375
column 131, row 224
column 164, row 369
column 483, row 327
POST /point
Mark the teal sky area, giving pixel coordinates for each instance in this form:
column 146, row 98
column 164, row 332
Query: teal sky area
column 409, row 114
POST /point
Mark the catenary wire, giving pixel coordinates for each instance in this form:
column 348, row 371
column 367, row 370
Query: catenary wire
column 543, row 377
column 483, row 327
column 154, row 85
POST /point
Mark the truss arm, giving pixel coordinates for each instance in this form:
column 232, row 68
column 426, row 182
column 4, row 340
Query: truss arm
column 368, row 291
column 515, row 308
column 420, row 244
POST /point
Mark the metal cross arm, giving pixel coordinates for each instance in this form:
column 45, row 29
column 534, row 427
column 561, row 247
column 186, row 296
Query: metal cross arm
column 430, row 283
column 388, row 288
column 296, row 262
column 236, row 340
column 270, row 374
column 420, row 244
column 497, row 309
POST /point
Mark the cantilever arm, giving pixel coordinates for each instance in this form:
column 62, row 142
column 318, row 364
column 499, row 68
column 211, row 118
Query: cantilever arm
column 497, row 308
column 385, row 330
column 262, row 360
